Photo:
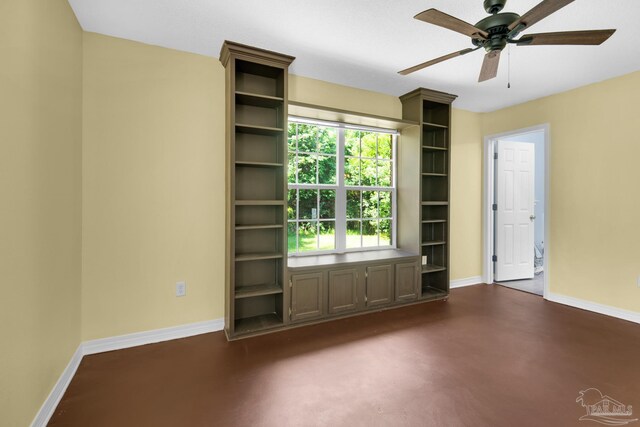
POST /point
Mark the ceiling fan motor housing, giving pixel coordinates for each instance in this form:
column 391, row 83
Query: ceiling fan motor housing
column 494, row 6
column 497, row 26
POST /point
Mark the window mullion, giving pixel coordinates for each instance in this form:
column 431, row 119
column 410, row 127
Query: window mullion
column 341, row 197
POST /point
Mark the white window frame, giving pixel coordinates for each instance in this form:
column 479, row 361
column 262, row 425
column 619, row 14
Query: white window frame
column 341, row 189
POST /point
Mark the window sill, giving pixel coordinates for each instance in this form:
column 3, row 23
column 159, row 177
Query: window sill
column 364, row 257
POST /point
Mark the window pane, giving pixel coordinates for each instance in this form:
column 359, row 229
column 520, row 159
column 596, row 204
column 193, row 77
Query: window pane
column 369, row 204
column 368, row 172
column 352, row 171
column 353, row 204
column 384, row 146
column 307, row 236
column 384, row 173
column 327, row 169
column 306, row 168
column 370, row 233
column 292, row 137
column 291, row 237
column 385, row 232
column 327, row 235
column 291, row 170
column 369, row 144
column 307, row 138
column 385, row 204
column 327, row 204
column 292, row 199
column 308, row 204
column 352, row 142
column 327, row 140
column 353, row 234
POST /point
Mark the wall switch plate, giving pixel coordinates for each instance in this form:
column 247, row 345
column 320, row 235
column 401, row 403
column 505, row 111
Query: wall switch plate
column 181, row 289
column 639, row 281
column 424, row 260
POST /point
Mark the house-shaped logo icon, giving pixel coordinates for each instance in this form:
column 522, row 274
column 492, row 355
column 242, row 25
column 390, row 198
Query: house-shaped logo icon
column 604, row 409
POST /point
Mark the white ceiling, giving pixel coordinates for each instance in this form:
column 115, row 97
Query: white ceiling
column 363, row 43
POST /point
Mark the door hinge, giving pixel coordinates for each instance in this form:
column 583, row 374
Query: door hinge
column 495, row 207
column 494, row 258
column 366, row 299
column 366, row 274
column 289, row 313
column 290, row 283
column 495, row 156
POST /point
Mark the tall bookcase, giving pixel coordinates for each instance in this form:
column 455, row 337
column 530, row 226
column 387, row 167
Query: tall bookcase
column 429, row 192
column 256, row 188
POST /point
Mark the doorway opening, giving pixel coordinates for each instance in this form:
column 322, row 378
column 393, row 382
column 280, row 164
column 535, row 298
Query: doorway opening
column 516, row 209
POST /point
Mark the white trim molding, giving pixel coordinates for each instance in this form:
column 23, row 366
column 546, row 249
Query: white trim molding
column 149, row 337
column 117, row 343
column 51, row 402
column 607, row 310
column 469, row 281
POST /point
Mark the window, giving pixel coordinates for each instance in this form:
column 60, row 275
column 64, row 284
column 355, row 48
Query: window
column 341, row 188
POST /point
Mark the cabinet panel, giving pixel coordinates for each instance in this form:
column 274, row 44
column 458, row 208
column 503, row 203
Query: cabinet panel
column 343, row 291
column 406, row 281
column 306, row 296
column 379, row 288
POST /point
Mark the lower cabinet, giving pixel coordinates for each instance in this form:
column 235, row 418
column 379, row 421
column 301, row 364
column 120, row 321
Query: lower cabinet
column 307, row 299
column 322, row 291
column 379, row 286
column 343, row 291
column 407, row 279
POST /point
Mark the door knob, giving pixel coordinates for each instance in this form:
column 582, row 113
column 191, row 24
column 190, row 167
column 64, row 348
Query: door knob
column 532, row 217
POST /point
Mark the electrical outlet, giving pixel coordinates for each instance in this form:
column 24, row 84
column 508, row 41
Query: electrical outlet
column 181, row 289
column 639, row 281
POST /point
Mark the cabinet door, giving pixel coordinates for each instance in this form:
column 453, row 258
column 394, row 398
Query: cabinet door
column 343, row 295
column 306, row 296
column 406, row 281
column 379, row 289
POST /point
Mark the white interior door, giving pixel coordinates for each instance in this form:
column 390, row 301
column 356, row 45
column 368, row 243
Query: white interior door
column 514, row 216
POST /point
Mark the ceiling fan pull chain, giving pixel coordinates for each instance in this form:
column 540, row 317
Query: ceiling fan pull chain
column 509, row 67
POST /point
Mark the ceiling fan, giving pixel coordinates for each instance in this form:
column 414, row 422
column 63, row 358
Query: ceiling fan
column 494, row 32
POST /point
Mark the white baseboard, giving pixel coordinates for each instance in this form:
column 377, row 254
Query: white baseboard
column 149, row 337
column 51, row 402
column 117, row 343
column 460, row 283
column 631, row 316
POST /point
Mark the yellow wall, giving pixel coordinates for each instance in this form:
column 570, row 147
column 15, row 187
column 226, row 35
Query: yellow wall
column 40, row 200
column 466, row 195
column 153, row 187
column 594, row 195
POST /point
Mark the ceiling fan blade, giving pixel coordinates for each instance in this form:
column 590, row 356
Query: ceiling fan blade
column 539, row 12
column 490, row 66
column 435, row 17
column 589, row 37
column 434, row 61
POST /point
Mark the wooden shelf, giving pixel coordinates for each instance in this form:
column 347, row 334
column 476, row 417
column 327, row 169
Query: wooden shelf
column 433, row 221
column 431, row 147
column 259, row 164
column 260, row 202
column 257, row 323
column 258, row 100
column 258, row 290
column 258, row 227
column 434, row 174
column 435, row 203
column 258, row 130
column 434, row 243
column 258, row 256
column 434, row 126
column 432, row 268
column 432, row 293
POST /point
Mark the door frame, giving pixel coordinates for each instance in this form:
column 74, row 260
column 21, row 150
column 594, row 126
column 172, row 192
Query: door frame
column 488, row 189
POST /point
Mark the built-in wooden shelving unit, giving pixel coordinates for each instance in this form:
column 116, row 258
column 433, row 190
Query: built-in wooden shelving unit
column 256, row 188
